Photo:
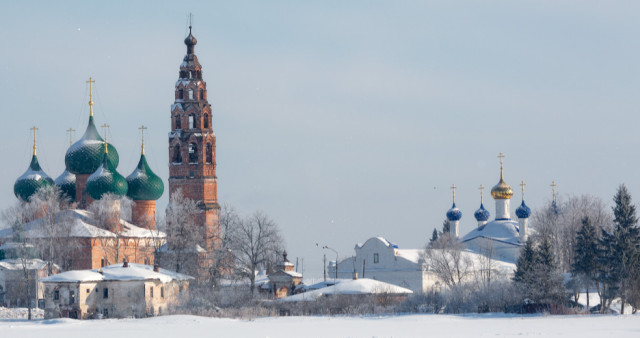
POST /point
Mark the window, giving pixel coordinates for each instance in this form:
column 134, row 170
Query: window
column 56, row 295
column 177, row 157
column 376, row 258
column 105, row 313
column 72, row 297
column 209, row 153
column 146, row 261
column 162, row 292
column 192, row 174
column 105, row 293
column 88, row 291
column 151, row 292
column 201, row 94
column 193, row 153
column 206, row 121
column 192, row 121
column 180, row 94
column 190, row 94
column 103, row 262
column 178, row 124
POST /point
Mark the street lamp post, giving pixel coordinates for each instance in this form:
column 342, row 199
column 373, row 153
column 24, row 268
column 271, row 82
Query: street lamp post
column 328, row 248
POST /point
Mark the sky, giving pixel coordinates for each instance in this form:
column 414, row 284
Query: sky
column 342, row 120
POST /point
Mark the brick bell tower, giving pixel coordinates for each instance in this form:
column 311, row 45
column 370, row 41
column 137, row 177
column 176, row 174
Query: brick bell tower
column 192, row 146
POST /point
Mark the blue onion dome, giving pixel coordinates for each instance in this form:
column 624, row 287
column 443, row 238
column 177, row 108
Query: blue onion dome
column 67, row 184
column 106, row 180
column 85, row 156
column 454, row 214
column 144, row 184
column 482, row 214
column 523, row 211
column 32, row 180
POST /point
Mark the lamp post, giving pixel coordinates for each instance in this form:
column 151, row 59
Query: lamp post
column 328, row 248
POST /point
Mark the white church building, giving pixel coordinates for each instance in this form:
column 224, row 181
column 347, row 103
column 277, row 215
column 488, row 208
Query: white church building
column 500, row 239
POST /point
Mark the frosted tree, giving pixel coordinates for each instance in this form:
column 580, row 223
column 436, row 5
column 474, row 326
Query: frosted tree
column 183, row 234
column 445, row 258
column 255, row 242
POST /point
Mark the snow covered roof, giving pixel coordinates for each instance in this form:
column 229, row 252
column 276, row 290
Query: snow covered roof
column 505, row 231
column 363, row 286
column 116, row 272
column 413, row 255
column 80, row 223
column 16, row 264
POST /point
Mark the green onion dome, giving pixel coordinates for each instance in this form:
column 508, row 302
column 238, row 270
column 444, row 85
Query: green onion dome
column 85, row 156
column 32, row 180
column 144, row 184
column 106, row 180
column 67, row 184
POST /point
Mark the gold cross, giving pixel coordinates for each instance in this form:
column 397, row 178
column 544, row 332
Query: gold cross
column 501, row 156
column 70, row 130
column 522, row 185
column 90, row 96
column 453, row 188
column 105, row 126
column 553, row 189
column 142, row 128
column 34, row 128
column 481, row 191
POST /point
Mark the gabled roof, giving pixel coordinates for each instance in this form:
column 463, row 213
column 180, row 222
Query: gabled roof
column 116, row 272
column 80, row 223
column 363, row 286
column 504, row 231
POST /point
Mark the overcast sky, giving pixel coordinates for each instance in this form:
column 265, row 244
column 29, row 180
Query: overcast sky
column 342, row 120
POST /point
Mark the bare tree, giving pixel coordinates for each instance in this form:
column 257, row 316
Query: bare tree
column 255, row 242
column 447, row 261
column 222, row 260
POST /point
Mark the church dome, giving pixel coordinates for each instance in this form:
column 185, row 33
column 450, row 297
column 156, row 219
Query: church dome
column 85, row 156
column 32, row 180
column 67, row 184
column 190, row 40
column 106, row 180
column 482, row 214
column 454, row 214
column 502, row 191
column 523, row 211
column 144, row 184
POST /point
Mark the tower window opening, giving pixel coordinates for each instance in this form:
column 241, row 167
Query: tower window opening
column 193, row 153
column 183, row 74
column 178, row 124
column 177, row 157
column 180, row 94
column 209, row 153
column 206, row 121
column 192, row 121
column 190, row 94
column 201, row 94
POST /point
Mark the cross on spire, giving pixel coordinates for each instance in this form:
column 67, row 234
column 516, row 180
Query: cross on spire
column 105, row 126
column 522, row 185
column 70, row 130
column 190, row 20
column 142, row 128
column 90, row 82
column 453, row 188
column 34, row 128
column 481, row 188
column 501, row 156
column 553, row 190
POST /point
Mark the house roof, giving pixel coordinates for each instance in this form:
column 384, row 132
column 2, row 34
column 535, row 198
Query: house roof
column 116, row 272
column 17, row 264
column 363, row 286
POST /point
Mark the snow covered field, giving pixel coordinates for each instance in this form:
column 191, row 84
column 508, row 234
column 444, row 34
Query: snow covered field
column 383, row 326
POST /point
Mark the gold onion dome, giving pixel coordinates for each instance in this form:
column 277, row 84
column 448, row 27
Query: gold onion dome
column 501, row 191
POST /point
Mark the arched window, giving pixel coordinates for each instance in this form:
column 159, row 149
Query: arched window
column 206, row 121
column 178, row 124
column 201, row 94
column 190, row 94
column 193, row 153
column 209, row 153
column 177, row 157
column 192, row 121
column 180, row 94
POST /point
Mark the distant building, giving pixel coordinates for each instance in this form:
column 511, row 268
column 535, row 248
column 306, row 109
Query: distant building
column 13, row 282
column 284, row 281
column 115, row 291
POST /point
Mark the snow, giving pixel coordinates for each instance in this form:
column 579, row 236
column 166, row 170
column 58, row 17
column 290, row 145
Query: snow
column 16, row 264
column 100, row 172
column 413, row 255
column 18, row 313
column 361, row 286
column 502, row 231
column 117, row 272
column 33, row 175
column 449, row 326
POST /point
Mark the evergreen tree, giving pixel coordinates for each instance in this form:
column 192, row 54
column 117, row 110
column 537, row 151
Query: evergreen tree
column 434, row 236
column 625, row 246
column 525, row 265
column 585, row 265
column 607, row 275
column 446, row 226
column 547, row 277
